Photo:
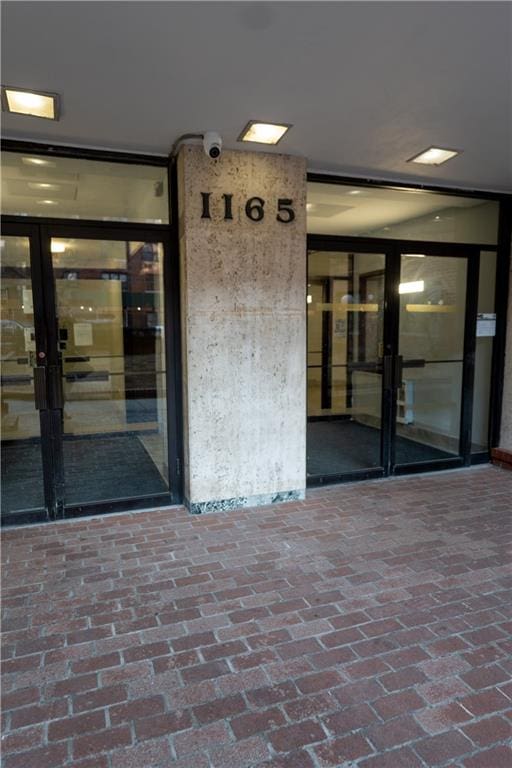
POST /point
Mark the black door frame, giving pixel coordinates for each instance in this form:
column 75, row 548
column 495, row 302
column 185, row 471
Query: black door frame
column 40, row 233
column 392, row 250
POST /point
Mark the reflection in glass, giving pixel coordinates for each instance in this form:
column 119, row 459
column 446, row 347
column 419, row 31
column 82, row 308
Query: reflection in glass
column 407, row 214
column 65, row 187
column 110, row 306
column 431, row 343
column 22, row 475
column 345, row 346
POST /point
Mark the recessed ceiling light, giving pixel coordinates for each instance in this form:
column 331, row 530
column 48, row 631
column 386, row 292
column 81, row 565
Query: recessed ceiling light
column 47, row 202
column 263, row 133
column 37, row 161
column 414, row 255
column 34, row 103
column 57, row 247
column 355, row 192
column 434, row 156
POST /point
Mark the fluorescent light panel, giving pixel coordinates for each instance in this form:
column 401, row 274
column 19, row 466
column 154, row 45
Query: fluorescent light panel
column 434, row 156
column 37, row 161
column 418, row 286
column 263, row 133
column 33, row 103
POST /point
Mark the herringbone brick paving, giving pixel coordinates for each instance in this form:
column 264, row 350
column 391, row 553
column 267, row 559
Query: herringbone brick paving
column 368, row 626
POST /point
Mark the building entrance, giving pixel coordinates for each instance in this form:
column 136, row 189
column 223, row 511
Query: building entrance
column 391, row 352
column 85, row 423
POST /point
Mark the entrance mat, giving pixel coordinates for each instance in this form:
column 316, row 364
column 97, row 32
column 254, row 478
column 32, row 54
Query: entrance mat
column 96, row 469
column 22, row 476
column 100, row 468
column 335, row 447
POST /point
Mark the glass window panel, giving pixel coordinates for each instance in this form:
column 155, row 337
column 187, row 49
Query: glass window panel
column 431, row 342
column 61, row 187
column 22, row 471
column 110, row 305
column 407, row 214
column 483, row 354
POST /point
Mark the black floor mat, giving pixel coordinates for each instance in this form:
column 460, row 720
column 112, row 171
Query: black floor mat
column 335, row 447
column 96, row 469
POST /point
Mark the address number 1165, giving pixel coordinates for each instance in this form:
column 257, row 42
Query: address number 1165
column 254, row 208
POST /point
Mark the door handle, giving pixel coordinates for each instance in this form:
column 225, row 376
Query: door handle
column 55, row 388
column 398, row 371
column 388, row 371
column 41, row 401
column 375, row 367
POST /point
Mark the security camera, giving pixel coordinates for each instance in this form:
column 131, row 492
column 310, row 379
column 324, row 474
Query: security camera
column 212, row 144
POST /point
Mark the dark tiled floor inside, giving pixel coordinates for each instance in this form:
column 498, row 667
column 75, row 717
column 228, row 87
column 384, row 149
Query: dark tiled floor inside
column 337, row 446
column 95, row 469
column 368, row 626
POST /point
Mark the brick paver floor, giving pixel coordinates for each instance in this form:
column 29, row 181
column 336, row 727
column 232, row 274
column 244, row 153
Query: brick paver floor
column 368, row 626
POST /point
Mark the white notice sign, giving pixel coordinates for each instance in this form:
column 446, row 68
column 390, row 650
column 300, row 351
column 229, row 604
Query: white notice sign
column 30, row 340
column 28, row 306
column 82, row 333
column 486, row 324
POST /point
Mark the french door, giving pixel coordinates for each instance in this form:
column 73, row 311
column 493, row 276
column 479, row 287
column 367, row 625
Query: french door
column 391, row 347
column 88, row 416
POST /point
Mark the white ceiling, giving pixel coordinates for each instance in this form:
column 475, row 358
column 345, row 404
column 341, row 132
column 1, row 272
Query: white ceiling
column 366, row 85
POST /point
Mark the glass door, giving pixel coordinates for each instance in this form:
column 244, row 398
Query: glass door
column 433, row 362
column 391, row 350
column 22, row 488
column 84, row 382
column 109, row 301
column 345, row 310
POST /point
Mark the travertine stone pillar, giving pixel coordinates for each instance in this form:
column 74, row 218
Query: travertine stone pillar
column 243, row 293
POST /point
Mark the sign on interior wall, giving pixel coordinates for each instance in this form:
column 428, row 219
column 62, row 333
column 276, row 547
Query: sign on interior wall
column 30, row 339
column 82, row 333
column 256, row 208
column 340, row 327
column 28, row 306
column 486, row 324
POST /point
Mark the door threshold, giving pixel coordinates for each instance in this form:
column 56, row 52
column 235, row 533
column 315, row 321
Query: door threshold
column 91, row 516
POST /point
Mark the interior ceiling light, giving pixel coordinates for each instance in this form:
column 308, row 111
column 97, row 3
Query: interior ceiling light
column 36, row 161
column 434, row 156
column 34, row 103
column 417, row 286
column 42, row 185
column 46, row 202
column 263, row 133
column 57, row 247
